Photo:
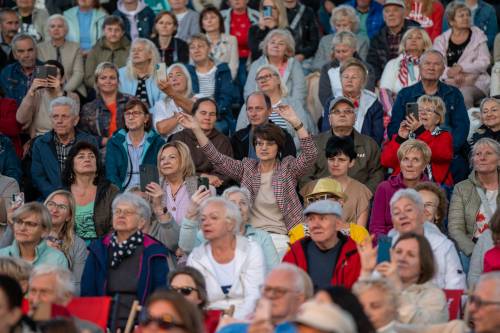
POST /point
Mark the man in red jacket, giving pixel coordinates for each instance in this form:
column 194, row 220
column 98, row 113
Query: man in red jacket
column 329, row 257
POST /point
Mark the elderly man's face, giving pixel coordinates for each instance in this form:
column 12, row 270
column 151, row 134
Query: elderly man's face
column 432, row 67
column 342, row 115
column 257, row 111
column 25, row 53
column 280, row 289
column 484, row 307
column 9, row 25
column 406, row 216
column 322, row 229
column 63, row 120
column 394, row 16
column 43, row 289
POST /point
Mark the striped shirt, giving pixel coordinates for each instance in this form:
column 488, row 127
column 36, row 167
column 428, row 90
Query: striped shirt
column 207, row 83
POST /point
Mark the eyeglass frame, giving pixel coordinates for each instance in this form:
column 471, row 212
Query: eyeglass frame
column 479, row 303
column 56, row 205
column 28, row 224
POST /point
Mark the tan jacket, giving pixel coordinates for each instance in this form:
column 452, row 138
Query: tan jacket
column 72, row 61
column 423, row 304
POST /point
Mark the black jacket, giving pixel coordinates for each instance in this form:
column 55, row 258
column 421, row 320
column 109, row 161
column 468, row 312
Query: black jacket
column 241, row 141
column 177, row 51
column 378, row 53
column 306, row 32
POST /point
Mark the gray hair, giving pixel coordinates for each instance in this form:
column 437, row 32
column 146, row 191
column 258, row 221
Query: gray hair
column 345, row 38
column 272, row 68
column 231, row 211
column 142, row 206
column 452, row 8
column 101, row 68
column 410, row 194
column 491, row 276
column 346, row 11
column 155, row 57
column 484, row 142
column 301, row 285
column 22, row 36
column 382, row 284
column 34, row 208
column 64, row 279
column 488, row 99
column 16, row 268
column 184, row 70
column 433, row 51
column 64, row 101
column 241, row 190
column 59, row 17
column 290, row 42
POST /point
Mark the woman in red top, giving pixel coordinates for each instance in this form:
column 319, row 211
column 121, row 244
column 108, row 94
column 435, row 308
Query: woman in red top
column 429, row 13
column 431, row 114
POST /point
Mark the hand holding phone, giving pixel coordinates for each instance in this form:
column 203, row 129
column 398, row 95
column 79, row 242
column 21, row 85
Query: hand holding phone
column 412, row 109
column 203, row 181
column 384, row 248
column 267, row 11
column 148, row 174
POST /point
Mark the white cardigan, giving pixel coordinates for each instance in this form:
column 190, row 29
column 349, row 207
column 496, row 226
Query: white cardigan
column 250, row 269
column 389, row 79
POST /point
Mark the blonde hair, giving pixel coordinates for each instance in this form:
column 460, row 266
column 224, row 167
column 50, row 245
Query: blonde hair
column 345, row 38
column 186, row 161
column 155, row 58
column 437, row 103
column 353, row 62
column 290, row 42
column 345, row 11
column 68, row 230
column 382, row 284
column 423, row 34
column 415, row 145
column 275, row 71
column 280, row 7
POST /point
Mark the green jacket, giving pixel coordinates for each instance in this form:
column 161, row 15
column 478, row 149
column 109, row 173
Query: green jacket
column 44, row 254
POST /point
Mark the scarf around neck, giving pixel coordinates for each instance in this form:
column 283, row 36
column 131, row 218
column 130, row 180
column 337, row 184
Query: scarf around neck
column 123, row 250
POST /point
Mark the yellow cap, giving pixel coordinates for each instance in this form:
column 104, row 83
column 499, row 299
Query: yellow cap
column 320, row 186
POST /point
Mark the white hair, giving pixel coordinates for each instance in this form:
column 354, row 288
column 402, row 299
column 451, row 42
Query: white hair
column 59, row 17
column 155, row 57
column 64, row 101
column 64, row 278
column 184, row 70
column 274, row 69
column 142, row 206
column 433, row 51
column 241, row 190
column 299, row 278
column 231, row 211
column 409, row 194
column 345, row 11
column 491, row 276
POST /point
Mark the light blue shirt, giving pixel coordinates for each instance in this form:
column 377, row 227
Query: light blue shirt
column 135, row 158
column 85, row 21
column 44, row 254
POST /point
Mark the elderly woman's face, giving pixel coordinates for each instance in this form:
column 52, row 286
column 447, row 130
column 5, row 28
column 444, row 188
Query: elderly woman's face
column 352, row 81
column 276, row 47
column 57, row 29
column 428, row 115
column 412, row 165
column 342, row 52
column 407, row 257
column 485, row 159
column 377, row 307
column 490, row 115
column 185, row 285
column 162, row 311
column 461, row 20
column 59, row 209
column 415, row 43
column 170, row 162
column 199, row 50
column 214, row 223
column 140, row 53
column 107, row 81
column 178, row 80
column 126, row 219
column 85, row 162
column 135, row 118
column 240, row 200
column 343, row 23
column 267, row 80
column 266, row 150
column 406, row 217
column 28, row 229
column 431, row 204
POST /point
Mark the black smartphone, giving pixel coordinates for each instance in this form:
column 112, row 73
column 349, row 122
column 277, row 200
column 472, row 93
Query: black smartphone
column 40, row 72
column 412, row 108
column 384, row 248
column 148, row 174
column 267, row 11
column 203, row 181
column 51, row 71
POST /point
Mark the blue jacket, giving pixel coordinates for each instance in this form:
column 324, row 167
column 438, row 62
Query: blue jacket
column 223, row 95
column 128, row 85
column 456, row 120
column 375, row 20
column 243, row 328
column 118, row 161
column 14, row 82
column 144, row 19
column 153, row 268
column 45, row 170
column 485, row 18
column 10, row 165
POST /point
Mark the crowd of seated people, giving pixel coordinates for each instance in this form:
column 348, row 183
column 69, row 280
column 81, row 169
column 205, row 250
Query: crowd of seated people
column 250, row 166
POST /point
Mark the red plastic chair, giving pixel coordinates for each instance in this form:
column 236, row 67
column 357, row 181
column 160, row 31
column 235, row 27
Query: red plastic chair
column 454, row 299
column 93, row 309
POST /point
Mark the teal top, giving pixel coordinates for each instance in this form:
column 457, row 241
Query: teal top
column 84, row 221
column 44, row 254
column 362, row 23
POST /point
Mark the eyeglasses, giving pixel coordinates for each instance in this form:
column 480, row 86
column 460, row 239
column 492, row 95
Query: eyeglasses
column 186, row 291
column 346, row 112
column 478, row 302
column 264, row 77
column 274, row 292
column 134, row 114
column 28, row 224
column 124, row 212
column 165, row 322
column 51, row 204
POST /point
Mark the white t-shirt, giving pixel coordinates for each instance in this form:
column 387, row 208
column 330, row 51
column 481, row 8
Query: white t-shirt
column 166, row 109
column 224, row 273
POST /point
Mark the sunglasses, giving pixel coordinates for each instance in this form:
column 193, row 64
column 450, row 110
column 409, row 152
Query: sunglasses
column 165, row 322
column 186, row 291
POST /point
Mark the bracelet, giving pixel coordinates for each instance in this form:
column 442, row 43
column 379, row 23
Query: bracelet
column 299, row 126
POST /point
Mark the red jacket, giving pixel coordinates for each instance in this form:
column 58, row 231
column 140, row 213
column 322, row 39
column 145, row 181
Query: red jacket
column 348, row 264
column 441, row 146
column 492, row 260
column 9, row 125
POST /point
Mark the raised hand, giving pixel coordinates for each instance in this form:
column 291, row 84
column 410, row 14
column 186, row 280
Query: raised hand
column 367, row 256
column 166, row 87
column 197, row 199
column 288, row 113
column 187, row 121
column 155, row 193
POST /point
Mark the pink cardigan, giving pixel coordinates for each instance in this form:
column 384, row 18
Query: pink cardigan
column 474, row 61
